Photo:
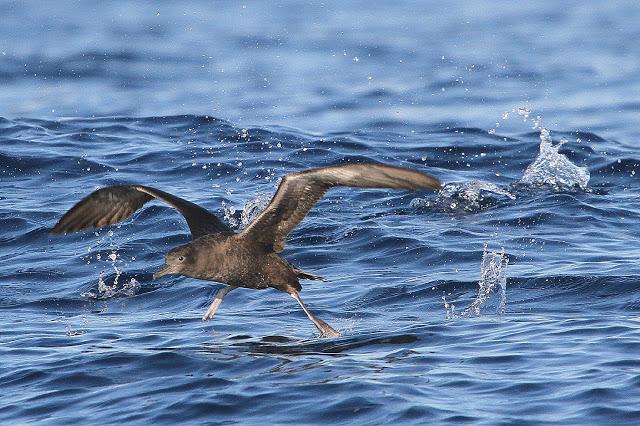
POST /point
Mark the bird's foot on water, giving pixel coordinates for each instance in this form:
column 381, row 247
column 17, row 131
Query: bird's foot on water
column 326, row 330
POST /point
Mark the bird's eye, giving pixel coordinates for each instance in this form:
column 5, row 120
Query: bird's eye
column 181, row 258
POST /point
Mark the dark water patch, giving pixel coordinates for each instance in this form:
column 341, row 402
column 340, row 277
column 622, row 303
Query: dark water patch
column 53, row 306
column 23, row 377
column 623, row 167
column 278, row 345
column 80, row 381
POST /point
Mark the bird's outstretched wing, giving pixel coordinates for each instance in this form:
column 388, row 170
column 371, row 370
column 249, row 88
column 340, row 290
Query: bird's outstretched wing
column 298, row 192
column 112, row 204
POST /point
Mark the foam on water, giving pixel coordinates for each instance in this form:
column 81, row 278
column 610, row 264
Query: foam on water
column 465, row 197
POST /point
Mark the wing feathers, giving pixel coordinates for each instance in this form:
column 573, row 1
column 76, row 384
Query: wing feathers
column 113, row 204
column 296, row 195
column 298, row 192
column 103, row 207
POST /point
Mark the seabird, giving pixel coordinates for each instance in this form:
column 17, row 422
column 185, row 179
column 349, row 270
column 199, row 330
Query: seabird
column 249, row 258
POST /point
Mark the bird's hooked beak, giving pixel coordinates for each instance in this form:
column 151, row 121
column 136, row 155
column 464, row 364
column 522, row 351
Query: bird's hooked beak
column 165, row 270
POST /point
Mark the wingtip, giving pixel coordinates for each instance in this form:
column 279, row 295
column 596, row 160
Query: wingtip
column 61, row 228
column 55, row 231
column 432, row 182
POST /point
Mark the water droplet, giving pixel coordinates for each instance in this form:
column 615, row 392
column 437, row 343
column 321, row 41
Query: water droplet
column 524, row 113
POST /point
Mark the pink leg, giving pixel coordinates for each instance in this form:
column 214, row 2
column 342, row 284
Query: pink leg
column 216, row 302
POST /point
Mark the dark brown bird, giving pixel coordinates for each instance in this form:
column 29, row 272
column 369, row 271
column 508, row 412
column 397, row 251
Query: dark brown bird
column 250, row 258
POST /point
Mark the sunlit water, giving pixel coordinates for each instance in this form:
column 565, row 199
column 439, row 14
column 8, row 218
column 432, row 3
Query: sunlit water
column 511, row 296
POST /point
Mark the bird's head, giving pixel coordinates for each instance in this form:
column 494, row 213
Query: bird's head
column 178, row 261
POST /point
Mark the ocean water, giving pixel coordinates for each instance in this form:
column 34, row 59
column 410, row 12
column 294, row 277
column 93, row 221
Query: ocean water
column 509, row 297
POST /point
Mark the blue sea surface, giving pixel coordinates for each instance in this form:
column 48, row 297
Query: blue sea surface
column 510, row 297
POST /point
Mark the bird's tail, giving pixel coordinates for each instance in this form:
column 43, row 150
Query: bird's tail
column 306, row 275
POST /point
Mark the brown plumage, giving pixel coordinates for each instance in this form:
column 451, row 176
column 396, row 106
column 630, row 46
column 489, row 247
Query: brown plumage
column 110, row 205
column 248, row 259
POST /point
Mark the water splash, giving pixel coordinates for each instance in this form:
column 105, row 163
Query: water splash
column 493, row 278
column 239, row 219
column 108, row 242
column 465, row 197
column 550, row 168
column 230, row 215
column 107, row 291
column 253, row 208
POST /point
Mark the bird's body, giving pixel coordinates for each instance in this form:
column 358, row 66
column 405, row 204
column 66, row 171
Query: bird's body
column 248, row 259
column 236, row 261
